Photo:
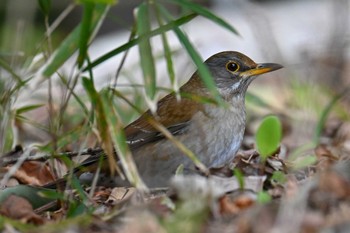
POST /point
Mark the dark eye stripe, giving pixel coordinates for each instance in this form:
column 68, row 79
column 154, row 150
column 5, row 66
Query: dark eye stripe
column 232, row 66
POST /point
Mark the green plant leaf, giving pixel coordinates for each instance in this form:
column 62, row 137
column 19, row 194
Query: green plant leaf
column 264, row 197
column 202, row 68
column 304, row 161
column 101, row 121
column 45, row 6
column 119, row 140
column 85, row 31
column 167, row 53
column 268, row 136
column 136, row 41
column 28, row 108
column 32, row 194
column 240, row 177
column 8, row 68
column 254, row 99
column 279, row 177
column 145, row 51
column 324, row 115
column 205, row 13
column 71, row 43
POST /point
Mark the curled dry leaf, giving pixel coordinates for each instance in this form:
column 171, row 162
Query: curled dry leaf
column 34, row 173
column 118, row 194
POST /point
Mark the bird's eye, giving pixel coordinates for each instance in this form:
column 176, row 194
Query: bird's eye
column 232, row 66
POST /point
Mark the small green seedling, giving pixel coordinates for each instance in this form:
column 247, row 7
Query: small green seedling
column 268, row 136
column 240, row 177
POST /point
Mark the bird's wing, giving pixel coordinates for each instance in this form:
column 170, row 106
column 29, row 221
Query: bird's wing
column 172, row 113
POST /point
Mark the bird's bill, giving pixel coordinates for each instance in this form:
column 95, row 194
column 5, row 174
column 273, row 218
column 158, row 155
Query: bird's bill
column 262, row 68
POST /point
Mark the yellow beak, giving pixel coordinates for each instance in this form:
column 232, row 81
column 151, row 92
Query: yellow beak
column 261, row 69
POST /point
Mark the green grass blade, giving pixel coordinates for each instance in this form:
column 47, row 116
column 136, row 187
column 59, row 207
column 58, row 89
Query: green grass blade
column 101, row 121
column 119, row 140
column 45, row 6
column 71, row 43
column 205, row 13
column 136, row 41
column 256, row 100
column 8, row 68
column 85, row 32
column 202, row 68
column 145, row 51
column 167, row 53
column 324, row 115
column 28, row 108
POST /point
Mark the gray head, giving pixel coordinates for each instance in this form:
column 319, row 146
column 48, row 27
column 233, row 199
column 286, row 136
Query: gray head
column 233, row 72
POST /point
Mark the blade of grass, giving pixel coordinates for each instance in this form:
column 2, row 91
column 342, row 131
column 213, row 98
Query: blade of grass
column 28, row 108
column 167, row 53
column 202, row 68
column 85, row 31
column 145, row 52
column 324, row 115
column 121, row 146
column 102, row 125
column 8, row 68
column 205, row 13
column 70, row 44
column 45, row 6
column 136, row 41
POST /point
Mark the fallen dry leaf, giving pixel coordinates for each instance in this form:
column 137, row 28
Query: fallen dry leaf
column 34, row 173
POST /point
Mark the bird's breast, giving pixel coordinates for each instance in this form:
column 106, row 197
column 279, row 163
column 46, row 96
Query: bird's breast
column 217, row 133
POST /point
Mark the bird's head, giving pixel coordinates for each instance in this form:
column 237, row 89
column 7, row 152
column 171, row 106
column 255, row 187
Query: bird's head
column 233, row 72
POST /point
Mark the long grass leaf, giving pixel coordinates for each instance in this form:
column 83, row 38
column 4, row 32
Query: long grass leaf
column 145, row 51
column 205, row 13
column 167, row 54
column 119, row 139
column 85, row 32
column 102, row 125
column 324, row 115
column 71, row 43
column 202, row 68
column 136, row 41
column 28, row 108
column 8, row 68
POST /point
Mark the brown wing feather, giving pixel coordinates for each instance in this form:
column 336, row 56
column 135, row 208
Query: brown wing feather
column 172, row 113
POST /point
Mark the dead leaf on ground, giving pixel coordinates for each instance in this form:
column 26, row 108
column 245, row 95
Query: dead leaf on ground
column 34, row 173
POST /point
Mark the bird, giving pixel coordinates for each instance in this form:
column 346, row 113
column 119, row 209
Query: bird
column 212, row 132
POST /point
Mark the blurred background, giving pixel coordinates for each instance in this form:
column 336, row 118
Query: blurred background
column 309, row 37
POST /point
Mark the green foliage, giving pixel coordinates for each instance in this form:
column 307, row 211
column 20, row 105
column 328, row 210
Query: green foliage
column 279, row 177
column 264, row 197
column 240, row 177
column 325, row 113
column 134, row 42
column 79, row 38
column 98, row 110
column 145, row 51
column 304, row 161
column 30, row 193
column 45, row 6
column 268, row 136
